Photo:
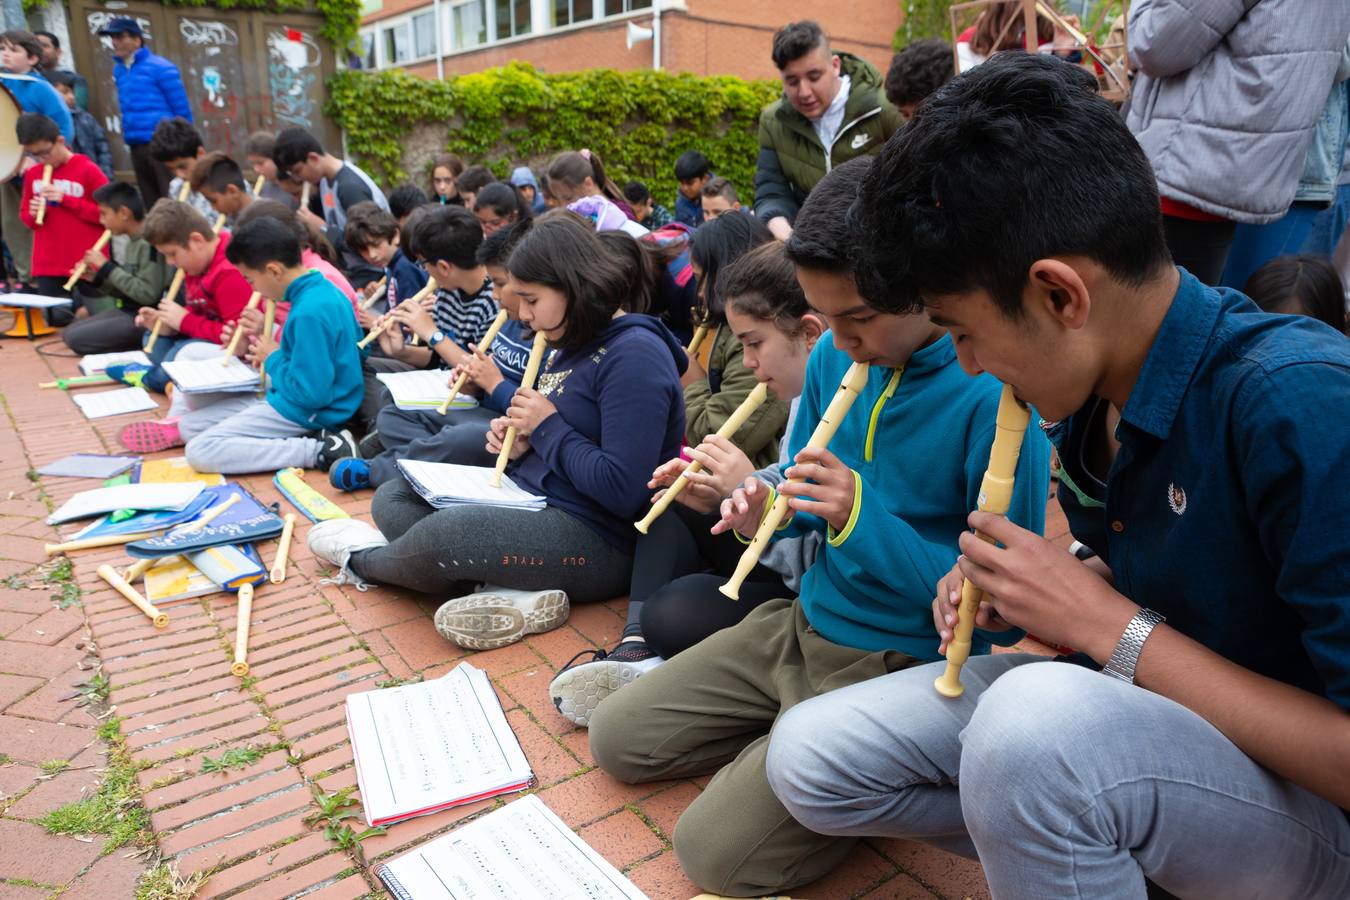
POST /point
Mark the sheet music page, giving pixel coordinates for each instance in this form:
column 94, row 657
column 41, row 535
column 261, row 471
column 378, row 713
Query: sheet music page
column 94, row 363
column 520, row 850
column 428, row 745
column 193, row 375
column 448, row 483
column 102, row 404
column 422, row 388
column 126, row 496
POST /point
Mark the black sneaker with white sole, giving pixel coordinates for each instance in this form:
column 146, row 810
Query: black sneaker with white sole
column 336, row 445
column 592, row 675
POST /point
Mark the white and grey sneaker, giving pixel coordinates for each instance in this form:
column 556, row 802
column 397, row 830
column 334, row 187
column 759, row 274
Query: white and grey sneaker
column 578, row 689
column 335, row 540
column 496, row 616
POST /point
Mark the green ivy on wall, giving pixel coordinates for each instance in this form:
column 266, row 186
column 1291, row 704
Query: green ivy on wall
column 341, row 18
column 639, row 122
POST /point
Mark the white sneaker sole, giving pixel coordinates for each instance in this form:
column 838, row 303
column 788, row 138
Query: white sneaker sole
column 489, row 620
column 578, row 691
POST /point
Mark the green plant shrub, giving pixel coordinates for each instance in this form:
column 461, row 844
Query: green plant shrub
column 639, row 122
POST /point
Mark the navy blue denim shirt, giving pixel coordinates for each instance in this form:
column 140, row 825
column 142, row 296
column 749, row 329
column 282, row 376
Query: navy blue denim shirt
column 1226, row 507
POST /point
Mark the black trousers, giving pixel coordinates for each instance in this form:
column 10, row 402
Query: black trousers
column 151, row 176
column 1200, row 248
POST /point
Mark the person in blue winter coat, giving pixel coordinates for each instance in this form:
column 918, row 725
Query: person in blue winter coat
column 149, row 89
column 606, row 410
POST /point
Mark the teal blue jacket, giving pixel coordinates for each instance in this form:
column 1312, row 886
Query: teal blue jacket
column 918, row 442
column 314, row 378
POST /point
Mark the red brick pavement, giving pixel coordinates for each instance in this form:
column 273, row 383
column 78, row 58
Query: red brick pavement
column 311, row 645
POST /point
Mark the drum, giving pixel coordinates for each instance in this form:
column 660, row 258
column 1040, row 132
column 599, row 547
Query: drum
column 11, row 153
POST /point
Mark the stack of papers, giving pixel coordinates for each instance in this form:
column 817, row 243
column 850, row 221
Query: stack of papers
column 208, row 376
column 113, row 403
column 520, row 850
column 86, row 504
column 449, row 484
column 95, row 363
column 423, row 389
column 422, row 748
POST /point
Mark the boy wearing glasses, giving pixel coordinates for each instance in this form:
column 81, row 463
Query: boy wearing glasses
column 70, row 218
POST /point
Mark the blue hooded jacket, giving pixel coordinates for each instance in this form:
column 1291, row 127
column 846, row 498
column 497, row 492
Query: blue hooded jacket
column 620, row 415
column 520, row 176
column 148, row 90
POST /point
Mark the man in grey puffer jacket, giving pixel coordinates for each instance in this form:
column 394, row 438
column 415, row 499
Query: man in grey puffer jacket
column 1227, row 98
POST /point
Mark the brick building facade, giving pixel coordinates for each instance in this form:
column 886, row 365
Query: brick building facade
column 702, row 37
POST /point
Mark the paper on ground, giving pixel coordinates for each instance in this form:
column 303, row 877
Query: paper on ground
column 33, row 301
column 88, row 465
column 423, row 389
column 114, row 403
column 520, row 850
column 127, row 496
column 421, row 748
column 175, row 470
column 95, row 363
column 197, row 376
column 448, row 484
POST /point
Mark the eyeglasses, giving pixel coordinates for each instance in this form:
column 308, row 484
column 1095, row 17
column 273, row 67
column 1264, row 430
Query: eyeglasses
column 42, row 154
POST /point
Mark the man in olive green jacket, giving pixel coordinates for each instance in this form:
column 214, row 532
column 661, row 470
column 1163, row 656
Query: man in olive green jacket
column 832, row 109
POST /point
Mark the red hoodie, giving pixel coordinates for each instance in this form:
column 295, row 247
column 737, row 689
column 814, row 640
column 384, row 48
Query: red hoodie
column 70, row 227
column 216, row 296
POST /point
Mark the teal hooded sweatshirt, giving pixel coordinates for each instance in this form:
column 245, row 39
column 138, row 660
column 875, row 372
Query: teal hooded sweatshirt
column 314, row 378
column 918, row 442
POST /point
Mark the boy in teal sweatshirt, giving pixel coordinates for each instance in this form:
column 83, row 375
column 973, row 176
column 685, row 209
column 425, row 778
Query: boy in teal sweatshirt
column 313, row 376
column 890, row 494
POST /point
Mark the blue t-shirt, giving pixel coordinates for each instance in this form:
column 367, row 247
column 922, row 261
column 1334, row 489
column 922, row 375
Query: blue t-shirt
column 511, row 353
column 1225, row 507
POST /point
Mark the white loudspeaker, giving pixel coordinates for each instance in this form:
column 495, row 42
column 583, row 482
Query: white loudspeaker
column 637, row 34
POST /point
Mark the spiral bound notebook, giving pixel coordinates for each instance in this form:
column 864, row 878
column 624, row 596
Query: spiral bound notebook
column 422, row 748
column 450, row 484
column 423, row 389
column 208, row 376
column 521, row 850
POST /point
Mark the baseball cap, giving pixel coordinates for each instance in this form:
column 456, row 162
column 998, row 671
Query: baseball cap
column 122, row 25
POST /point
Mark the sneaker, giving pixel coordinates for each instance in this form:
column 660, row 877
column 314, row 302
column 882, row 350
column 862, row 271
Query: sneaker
column 128, row 373
column 151, row 435
column 336, row 445
column 349, row 474
column 580, row 686
column 371, row 446
column 335, row 540
column 496, row 616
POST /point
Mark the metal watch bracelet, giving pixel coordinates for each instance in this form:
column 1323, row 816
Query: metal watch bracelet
column 1126, row 655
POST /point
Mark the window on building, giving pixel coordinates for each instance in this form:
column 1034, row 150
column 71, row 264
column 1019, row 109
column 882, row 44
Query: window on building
column 397, row 48
column 424, row 34
column 468, row 22
column 367, row 49
column 513, row 18
column 618, row 7
column 569, row 12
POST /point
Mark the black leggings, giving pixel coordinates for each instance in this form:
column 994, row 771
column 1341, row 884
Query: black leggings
column 677, row 567
column 449, row 551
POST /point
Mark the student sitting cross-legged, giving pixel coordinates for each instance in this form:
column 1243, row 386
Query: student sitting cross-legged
column 313, row 377
column 133, row 278
column 1200, row 742
column 889, row 497
column 606, row 410
column 458, row 436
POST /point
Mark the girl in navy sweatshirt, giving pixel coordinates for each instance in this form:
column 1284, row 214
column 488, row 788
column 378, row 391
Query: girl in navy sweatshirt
column 607, row 410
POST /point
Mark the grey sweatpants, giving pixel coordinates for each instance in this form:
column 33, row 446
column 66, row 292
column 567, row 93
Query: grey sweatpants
column 1066, row 783
column 18, row 236
column 441, row 551
column 460, row 437
column 105, row 332
column 243, row 434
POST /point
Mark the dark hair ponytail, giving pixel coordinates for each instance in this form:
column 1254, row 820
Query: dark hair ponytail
column 575, row 166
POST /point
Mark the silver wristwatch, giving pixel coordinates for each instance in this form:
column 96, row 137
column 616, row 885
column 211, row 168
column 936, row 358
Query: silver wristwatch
column 1126, row 655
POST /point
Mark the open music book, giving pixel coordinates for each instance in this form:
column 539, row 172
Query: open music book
column 95, row 363
column 196, row 376
column 87, row 504
column 102, row 404
column 520, row 850
column 448, row 484
column 423, row 389
column 422, row 748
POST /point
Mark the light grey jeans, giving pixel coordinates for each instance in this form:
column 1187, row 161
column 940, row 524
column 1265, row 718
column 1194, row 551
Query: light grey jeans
column 1071, row 784
column 242, row 433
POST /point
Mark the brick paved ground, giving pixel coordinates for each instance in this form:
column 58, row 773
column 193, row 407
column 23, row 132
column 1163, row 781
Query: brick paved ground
column 311, row 646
